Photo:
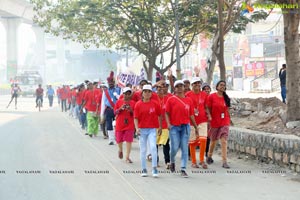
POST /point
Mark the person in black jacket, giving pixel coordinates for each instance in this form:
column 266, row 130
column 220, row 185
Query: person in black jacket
column 282, row 77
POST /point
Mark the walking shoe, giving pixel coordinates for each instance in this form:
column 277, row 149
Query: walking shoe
column 194, row 165
column 111, row 143
column 184, row 174
column 172, row 167
column 154, row 172
column 225, row 165
column 144, row 173
column 168, row 166
column 209, row 160
column 203, row 165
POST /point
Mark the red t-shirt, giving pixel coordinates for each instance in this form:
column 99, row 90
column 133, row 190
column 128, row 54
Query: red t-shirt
column 147, row 114
column 199, row 102
column 179, row 110
column 124, row 119
column 219, row 111
column 92, row 99
column 79, row 97
column 162, row 102
column 39, row 92
column 63, row 93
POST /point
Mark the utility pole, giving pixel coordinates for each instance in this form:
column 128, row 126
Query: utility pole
column 178, row 69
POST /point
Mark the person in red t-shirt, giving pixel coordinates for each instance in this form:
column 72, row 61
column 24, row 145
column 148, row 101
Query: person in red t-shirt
column 147, row 118
column 137, row 95
column 163, row 139
column 187, row 85
column 58, row 94
column 179, row 113
column 91, row 102
column 79, row 101
column 201, row 112
column 218, row 104
column 39, row 93
column 206, row 88
column 63, row 96
column 124, row 123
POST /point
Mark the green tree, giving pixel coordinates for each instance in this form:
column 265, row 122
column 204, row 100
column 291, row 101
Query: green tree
column 231, row 20
column 146, row 26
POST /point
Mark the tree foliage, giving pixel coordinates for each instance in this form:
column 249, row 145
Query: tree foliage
column 144, row 25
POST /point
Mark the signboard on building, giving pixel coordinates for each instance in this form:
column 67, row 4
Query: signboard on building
column 254, row 69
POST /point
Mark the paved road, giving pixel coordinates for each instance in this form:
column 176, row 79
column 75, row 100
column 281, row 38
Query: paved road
column 36, row 146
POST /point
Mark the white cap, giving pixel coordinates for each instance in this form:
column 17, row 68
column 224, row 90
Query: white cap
column 126, row 89
column 178, row 82
column 185, row 80
column 195, row 79
column 147, row 87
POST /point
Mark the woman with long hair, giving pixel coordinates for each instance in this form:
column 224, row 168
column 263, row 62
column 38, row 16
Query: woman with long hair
column 218, row 105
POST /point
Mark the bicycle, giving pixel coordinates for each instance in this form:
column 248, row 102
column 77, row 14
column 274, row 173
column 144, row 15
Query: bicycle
column 39, row 104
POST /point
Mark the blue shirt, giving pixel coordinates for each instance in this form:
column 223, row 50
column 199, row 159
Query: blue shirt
column 111, row 94
column 50, row 92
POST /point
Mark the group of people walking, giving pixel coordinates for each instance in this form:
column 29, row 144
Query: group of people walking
column 184, row 120
column 188, row 118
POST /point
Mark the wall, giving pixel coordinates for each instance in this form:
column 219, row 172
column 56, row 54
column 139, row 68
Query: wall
column 283, row 150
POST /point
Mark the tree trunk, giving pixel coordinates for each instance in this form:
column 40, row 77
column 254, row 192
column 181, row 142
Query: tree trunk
column 211, row 68
column 149, row 69
column 220, row 54
column 291, row 38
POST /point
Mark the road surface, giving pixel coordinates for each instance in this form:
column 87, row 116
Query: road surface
column 46, row 156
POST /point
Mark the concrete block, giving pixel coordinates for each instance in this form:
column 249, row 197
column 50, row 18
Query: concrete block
column 297, row 168
column 270, row 154
column 248, row 150
column 253, row 151
column 293, row 159
column 264, row 153
column 277, row 157
column 285, row 158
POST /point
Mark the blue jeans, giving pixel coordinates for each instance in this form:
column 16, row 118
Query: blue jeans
column 283, row 93
column 109, row 117
column 179, row 138
column 148, row 134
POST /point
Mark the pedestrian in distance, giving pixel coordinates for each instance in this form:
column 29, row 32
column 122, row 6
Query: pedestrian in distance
column 15, row 91
column 91, row 102
column 50, row 95
column 109, row 99
column 282, row 77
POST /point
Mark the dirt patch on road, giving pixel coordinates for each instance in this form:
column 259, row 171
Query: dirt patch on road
column 261, row 114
